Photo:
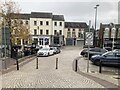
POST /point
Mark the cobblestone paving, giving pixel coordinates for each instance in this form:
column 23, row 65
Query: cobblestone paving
column 108, row 73
column 47, row 76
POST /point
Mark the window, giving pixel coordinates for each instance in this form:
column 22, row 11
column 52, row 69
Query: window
column 60, row 32
column 55, row 32
column 80, row 35
column 111, row 54
column 35, row 32
column 73, row 30
column 68, row 30
column 106, row 33
column 47, row 32
column 26, row 22
column 73, row 34
column 60, row 23
column 55, row 23
column 46, row 41
column 41, row 32
column 35, row 40
column 35, row 22
column 47, row 23
column 113, row 32
column 41, row 22
column 41, row 41
column 68, row 34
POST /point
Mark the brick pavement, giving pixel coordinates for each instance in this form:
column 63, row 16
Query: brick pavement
column 108, row 73
column 47, row 76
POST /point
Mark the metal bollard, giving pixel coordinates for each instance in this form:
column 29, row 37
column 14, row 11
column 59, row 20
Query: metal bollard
column 17, row 64
column 56, row 63
column 76, row 63
column 37, row 63
column 100, row 67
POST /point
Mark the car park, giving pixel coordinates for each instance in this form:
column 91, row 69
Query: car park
column 46, row 51
column 110, row 57
column 92, row 51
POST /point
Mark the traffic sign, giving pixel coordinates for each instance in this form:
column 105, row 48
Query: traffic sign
column 89, row 38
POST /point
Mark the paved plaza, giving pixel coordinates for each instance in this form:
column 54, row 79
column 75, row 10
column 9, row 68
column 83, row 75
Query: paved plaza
column 46, row 76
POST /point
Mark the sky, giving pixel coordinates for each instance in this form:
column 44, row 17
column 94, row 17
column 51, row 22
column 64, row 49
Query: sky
column 74, row 10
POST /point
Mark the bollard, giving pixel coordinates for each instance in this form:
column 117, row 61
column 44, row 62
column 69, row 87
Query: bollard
column 17, row 63
column 100, row 67
column 56, row 63
column 37, row 63
column 76, row 65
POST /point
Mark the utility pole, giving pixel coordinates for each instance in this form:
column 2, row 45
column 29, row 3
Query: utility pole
column 95, row 23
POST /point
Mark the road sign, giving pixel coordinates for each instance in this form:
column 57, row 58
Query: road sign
column 89, row 38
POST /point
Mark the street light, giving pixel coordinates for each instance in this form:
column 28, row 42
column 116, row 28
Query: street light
column 95, row 22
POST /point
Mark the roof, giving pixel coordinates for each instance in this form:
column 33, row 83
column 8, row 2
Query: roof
column 110, row 25
column 75, row 25
column 20, row 16
column 58, row 17
column 41, row 15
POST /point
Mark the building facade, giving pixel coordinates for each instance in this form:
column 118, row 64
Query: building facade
column 74, row 33
column 58, row 30
column 48, row 29
column 40, row 28
column 109, row 35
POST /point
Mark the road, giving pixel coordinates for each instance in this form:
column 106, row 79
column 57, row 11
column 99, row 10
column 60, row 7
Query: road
column 47, row 76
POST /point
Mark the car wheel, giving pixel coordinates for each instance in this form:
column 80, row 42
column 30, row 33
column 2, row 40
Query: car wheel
column 48, row 54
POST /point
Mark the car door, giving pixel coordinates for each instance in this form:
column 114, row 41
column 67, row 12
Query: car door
column 110, row 56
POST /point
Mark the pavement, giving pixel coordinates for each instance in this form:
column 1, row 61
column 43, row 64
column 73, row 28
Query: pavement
column 47, row 76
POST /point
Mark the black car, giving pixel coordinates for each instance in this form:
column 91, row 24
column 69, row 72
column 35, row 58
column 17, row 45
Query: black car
column 93, row 51
column 111, row 57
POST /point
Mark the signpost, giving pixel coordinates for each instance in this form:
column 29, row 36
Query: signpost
column 89, row 41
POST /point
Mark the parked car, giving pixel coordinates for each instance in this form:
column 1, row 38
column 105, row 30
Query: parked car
column 108, row 48
column 93, row 51
column 110, row 57
column 55, row 45
column 86, row 46
column 56, row 50
column 46, row 51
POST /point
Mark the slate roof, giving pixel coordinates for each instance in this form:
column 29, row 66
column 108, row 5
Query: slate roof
column 108, row 25
column 41, row 15
column 58, row 17
column 75, row 25
column 20, row 16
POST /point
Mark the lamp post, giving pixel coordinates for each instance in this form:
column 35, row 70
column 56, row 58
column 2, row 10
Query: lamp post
column 95, row 23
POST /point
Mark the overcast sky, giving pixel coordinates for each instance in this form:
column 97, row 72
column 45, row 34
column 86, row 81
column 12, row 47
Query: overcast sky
column 74, row 10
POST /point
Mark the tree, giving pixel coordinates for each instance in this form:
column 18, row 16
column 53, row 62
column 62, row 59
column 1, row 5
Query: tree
column 9, row 10
column 19, row 30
